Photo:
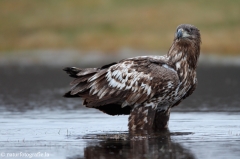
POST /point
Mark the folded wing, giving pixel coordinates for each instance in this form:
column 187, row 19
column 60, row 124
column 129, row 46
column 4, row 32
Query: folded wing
column 116, row 88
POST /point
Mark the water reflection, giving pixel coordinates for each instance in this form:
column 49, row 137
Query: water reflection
column 137, row 146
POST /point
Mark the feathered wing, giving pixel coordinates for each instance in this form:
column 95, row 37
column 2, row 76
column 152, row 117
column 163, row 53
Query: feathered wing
column 116, row 88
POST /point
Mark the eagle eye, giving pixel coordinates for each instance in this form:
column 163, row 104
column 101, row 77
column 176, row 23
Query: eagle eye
column 188, row 30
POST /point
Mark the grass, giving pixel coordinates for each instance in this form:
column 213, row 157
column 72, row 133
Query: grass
column 109, row 25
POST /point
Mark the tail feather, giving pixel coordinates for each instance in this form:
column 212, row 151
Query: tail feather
column 68, row 95
column 72, row 71
column 87, row 71
column 80, row 79
column 80, row 84
column 81, row 87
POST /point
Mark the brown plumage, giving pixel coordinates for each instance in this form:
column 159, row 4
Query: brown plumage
column 146, row 87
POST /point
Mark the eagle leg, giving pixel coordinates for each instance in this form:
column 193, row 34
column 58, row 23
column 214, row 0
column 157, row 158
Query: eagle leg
column 148, row 118
column 161, row 119
column 141, row 118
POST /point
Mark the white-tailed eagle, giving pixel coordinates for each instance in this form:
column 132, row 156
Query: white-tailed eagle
column 146, row 87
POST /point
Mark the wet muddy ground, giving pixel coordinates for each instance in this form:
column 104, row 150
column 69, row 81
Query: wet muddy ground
column 37, row 122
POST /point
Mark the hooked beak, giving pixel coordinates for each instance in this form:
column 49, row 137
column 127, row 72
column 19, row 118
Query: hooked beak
column 179, row 33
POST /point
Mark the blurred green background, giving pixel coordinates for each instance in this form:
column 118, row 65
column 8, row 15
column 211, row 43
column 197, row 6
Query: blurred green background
column 109, row 25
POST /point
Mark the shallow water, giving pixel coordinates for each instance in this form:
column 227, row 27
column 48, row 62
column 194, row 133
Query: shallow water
column 86, row 133
column 36, row 120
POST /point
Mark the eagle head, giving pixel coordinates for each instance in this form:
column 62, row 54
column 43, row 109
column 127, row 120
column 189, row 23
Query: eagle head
column 186, row 33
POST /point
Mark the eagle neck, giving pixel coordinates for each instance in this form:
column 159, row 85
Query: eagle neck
column 183, row 58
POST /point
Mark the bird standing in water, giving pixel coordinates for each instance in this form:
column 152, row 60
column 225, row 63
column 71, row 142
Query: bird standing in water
column 146, row 87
